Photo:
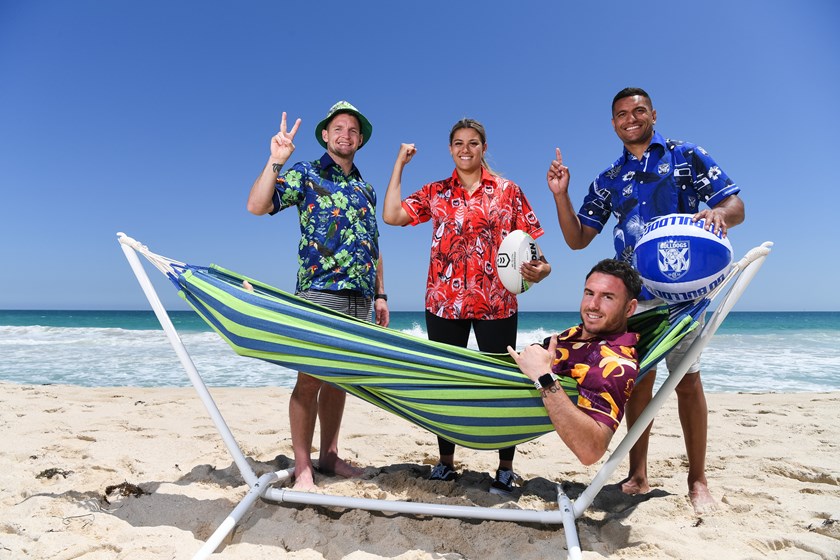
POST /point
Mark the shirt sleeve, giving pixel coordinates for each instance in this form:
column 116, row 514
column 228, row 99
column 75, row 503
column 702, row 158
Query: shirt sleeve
column 417, row 205
column 711, row 184
column 596, row 207
column 525, row 218
column 288, row 188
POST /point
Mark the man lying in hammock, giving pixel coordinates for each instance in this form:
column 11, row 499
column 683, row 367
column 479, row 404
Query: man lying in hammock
column 599, row 354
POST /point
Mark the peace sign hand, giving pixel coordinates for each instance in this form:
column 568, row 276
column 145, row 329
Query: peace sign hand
column 282, row 144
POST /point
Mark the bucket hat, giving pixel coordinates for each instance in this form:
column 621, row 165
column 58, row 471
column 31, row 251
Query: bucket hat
column 337, row 109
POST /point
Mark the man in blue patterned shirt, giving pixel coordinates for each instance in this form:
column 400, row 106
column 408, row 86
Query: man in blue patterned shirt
column 339, row 264
column 654, row 176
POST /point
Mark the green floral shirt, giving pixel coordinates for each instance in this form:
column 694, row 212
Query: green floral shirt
column 339, row 237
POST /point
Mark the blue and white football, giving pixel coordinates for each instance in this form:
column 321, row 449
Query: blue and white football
column 679, row 260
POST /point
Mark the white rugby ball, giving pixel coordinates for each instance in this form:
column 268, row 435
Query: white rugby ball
column 679, row 260
column 517, row 247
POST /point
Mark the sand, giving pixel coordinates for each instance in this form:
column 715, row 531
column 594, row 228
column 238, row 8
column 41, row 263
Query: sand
column 773, row 465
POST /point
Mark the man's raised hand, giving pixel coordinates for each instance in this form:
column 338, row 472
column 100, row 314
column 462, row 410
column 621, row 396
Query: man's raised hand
column 558, row 175
column 282, row 144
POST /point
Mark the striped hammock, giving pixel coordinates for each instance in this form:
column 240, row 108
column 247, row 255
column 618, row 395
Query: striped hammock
column 474, row 399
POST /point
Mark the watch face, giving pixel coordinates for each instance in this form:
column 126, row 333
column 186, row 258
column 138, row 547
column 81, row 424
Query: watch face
column 546, row 380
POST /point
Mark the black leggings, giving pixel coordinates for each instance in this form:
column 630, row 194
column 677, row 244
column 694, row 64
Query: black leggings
column 492, row 336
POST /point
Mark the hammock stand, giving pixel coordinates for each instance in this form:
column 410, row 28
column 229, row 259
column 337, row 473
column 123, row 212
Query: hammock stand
column 568, row 511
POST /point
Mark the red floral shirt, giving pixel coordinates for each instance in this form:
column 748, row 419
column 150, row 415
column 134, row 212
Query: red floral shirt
column 462, row 281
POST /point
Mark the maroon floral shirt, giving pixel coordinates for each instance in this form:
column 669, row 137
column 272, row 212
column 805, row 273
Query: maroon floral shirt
column 605, row 369
column 467, row 231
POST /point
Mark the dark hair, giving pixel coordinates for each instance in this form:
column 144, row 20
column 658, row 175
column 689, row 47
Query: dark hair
column 630, row 92
column 623, row 271
column 479, row 128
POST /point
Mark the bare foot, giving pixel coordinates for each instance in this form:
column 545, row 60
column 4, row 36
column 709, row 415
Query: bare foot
column 701, row 499
column 633, row 486
column 340, row 467
column 247, row 285
column 303, row 481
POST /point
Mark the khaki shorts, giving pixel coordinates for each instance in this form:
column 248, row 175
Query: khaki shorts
column 676, row 355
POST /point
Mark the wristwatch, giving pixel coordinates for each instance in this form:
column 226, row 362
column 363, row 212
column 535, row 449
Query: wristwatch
column 545, row 381
column 380, row 296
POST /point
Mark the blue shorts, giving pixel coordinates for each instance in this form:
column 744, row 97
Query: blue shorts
column 676, row 355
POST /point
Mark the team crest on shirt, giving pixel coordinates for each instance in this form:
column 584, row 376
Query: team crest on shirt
column 627, row 191
column 673, row 257
column 628, row 176
column 664, row 168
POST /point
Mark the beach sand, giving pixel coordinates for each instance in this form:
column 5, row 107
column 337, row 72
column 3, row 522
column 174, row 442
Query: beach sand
column 773, row 464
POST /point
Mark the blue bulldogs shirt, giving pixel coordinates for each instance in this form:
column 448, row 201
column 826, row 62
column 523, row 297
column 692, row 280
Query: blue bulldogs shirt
column 671, row 176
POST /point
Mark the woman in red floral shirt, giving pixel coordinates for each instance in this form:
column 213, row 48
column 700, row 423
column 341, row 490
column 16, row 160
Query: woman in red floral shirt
column 471, row 212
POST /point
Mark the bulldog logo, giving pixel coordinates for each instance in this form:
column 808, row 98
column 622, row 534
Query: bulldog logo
column 673, row 258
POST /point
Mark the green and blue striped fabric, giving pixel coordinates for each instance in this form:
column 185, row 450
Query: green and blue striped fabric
column 473, row 399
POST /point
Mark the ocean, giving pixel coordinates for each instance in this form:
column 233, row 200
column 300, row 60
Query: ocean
column 751, row 352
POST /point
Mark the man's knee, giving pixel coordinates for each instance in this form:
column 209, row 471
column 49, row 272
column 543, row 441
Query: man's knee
column 307, row 385
column 644, row 386
column 334, row 394
column 690, row 385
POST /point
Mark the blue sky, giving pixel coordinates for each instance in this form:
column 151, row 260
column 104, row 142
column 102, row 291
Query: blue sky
column 154, row 118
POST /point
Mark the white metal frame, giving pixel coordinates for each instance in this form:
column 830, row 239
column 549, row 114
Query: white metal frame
column 568, row 510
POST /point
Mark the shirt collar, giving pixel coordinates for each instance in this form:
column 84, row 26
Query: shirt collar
column 326, row 161
column 627, row 338
column 487, row 178
column 656, row 139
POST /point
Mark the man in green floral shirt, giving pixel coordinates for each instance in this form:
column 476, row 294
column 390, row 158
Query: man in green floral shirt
column 338, row 257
